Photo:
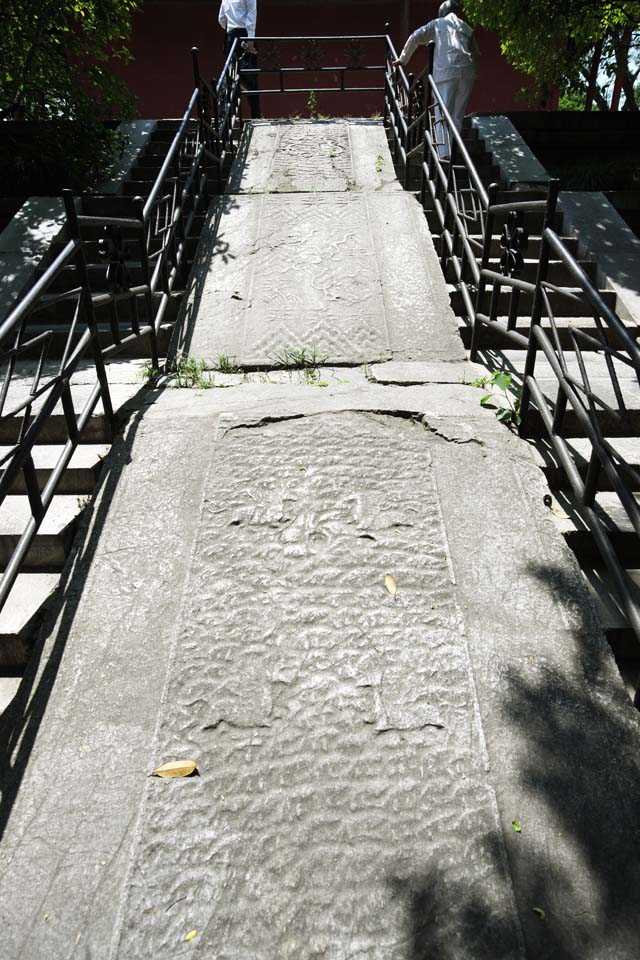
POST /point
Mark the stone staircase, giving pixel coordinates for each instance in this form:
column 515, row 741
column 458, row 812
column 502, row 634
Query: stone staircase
column 497, row 353
column 126, row 374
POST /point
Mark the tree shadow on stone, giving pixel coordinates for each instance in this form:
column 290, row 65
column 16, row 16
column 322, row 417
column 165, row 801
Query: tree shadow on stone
column 575, row 867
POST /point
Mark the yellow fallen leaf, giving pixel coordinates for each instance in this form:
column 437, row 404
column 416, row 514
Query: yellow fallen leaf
column 540, row 912
column 390, row 584
column 191, row 935
column 178, row 768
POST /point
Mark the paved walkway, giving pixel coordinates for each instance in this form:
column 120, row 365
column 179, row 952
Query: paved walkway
column 449, row 772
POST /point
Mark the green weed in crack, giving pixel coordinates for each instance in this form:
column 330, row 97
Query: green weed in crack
column 190, row 373
column 502, row 382
column 148, row 374
column 307, row 360
column 226, row 364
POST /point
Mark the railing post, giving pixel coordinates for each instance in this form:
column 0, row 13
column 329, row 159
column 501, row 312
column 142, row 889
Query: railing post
column 138, row 206
column 387, row 66
column 406, row 144
column 87, row 309
column 448, row 214
column 198, row 83
column 536, row 310
column 484, row 263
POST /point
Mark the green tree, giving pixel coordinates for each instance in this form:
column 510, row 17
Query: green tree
column 55, row 59
column 569, row 44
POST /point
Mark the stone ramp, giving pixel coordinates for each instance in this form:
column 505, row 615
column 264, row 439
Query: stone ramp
column 318, row 251
column 314, row 156
column 362, row 756
column 447, row 771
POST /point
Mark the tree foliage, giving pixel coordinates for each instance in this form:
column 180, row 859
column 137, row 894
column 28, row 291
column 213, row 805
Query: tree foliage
column 55, row 59
column 56, row 55
column 553, row 41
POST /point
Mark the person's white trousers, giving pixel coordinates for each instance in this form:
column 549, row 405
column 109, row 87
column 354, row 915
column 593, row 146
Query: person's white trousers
column 455, row 95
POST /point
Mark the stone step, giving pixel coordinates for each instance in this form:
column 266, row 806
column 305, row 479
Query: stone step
column 493, row 338
column 69, row 279
column 159, row 148
column 79, row 477
column 10, row 680
column 619, row 528
column 533, row 222
column 626, row 424
column 140, row 187
column 94, row 259
column 53, row 540
column 147, row 162
column 165, row 134
column 595, row 364
column 557, row 272
column 562, row 306
column 628, row 449
column 613, row 618
column 55, row 430
column 136, row 349
column 585, row 142
column 20, row 615
column 94, row 232
column 109, row 205
column 533, row 246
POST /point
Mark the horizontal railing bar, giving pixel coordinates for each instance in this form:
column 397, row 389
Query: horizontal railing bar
column 86, row 220
column 248, row 71
column 249, row 93
column 336, row 37
column 514, row 282
column 525, row 206
column 592, row 294
column 512, row 335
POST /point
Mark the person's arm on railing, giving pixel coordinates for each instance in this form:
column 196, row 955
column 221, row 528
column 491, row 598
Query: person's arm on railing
column 420, row 37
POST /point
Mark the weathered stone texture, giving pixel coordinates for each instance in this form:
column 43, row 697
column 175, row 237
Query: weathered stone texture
column 352, row 275
column 305, row 157
column 341, row 805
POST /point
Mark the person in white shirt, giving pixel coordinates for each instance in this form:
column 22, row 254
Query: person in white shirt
column 238, row 19
column 455, row 63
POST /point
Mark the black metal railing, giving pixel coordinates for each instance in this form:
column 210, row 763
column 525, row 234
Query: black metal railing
column 59, row 331
column 470, row 222
column 596, row 410
column 221, row 101
column 427, row 147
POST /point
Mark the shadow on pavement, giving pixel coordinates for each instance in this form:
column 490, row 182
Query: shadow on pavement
column 20, row 723
column 581, row 740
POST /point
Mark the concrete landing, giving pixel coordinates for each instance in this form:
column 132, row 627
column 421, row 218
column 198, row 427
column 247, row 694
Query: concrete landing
column 362, row 755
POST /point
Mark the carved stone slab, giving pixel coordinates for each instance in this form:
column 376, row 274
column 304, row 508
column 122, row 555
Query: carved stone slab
column 354, row 276
column 285, row 157
column 334, row 723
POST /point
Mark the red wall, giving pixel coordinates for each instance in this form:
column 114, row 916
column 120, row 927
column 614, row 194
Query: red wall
column 165, row 30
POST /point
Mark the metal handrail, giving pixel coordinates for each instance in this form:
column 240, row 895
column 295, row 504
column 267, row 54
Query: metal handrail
column 168, row 214
column 169, row 159
column 576, row 392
